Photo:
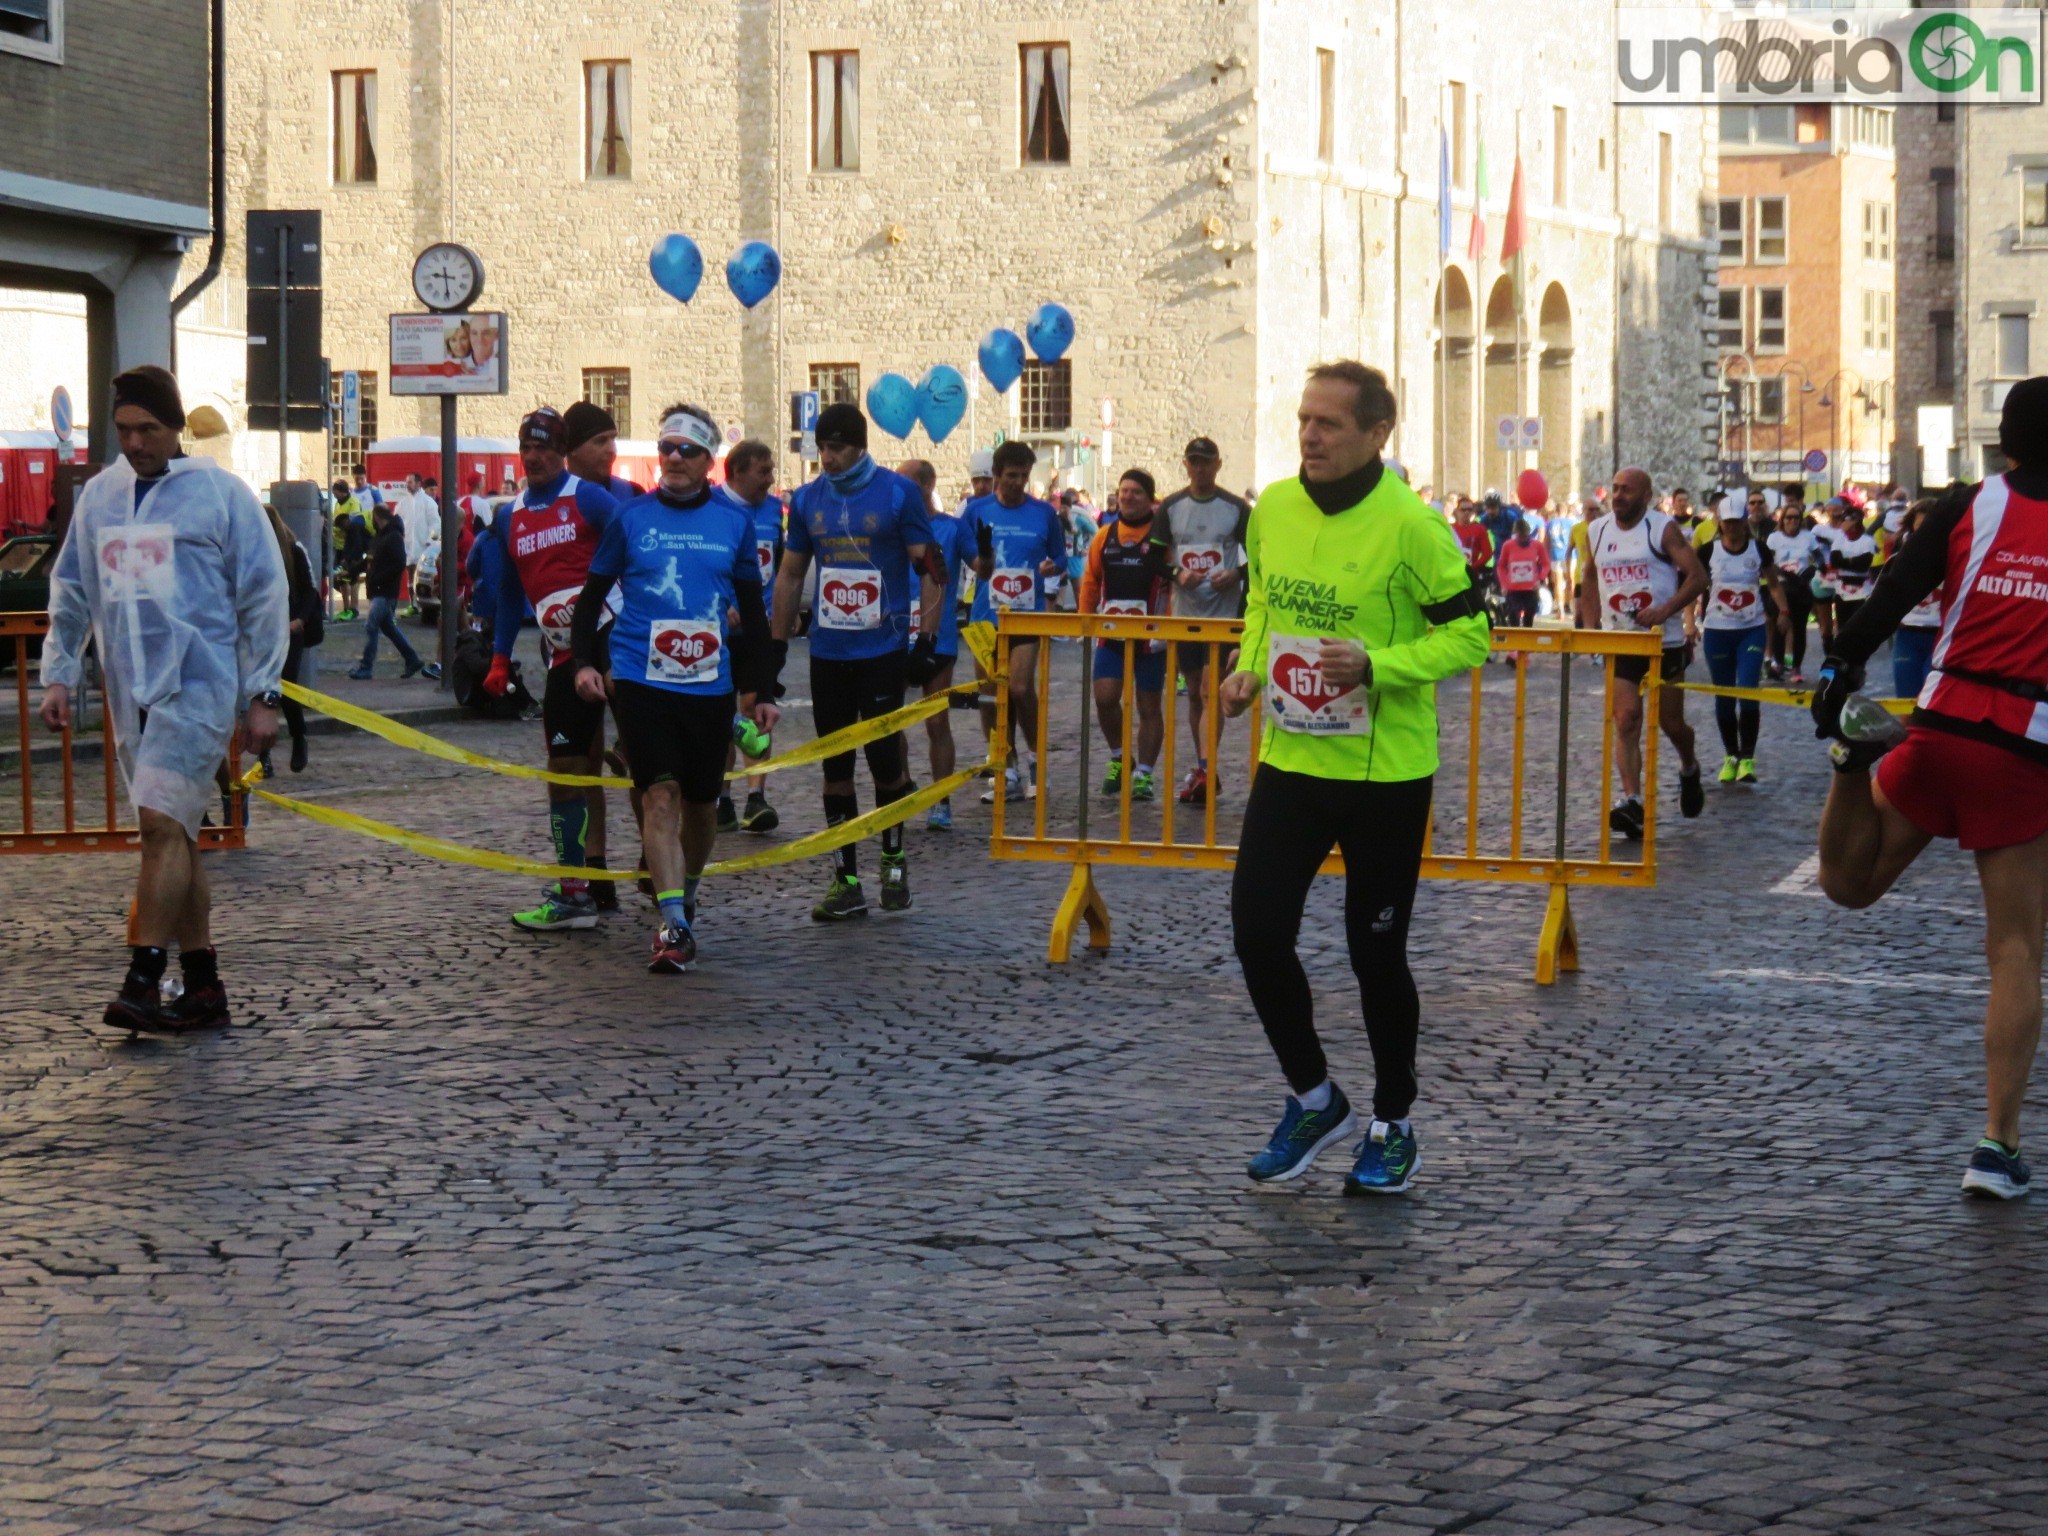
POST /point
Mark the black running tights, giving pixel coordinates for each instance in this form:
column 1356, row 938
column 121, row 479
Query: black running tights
column 1290, row 826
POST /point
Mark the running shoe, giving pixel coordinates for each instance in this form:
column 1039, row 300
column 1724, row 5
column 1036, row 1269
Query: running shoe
column 1745, row 770
column 137, row 1006
column 728, row 818
column 675, row 951
column 1144, row 786
column 1692, row 794
column 1113, row 781
column 1194, row 789
column 844, row 900
column 1014, row 788
column 895, row 883
column 604, row 895
column 759, row 816
column 1994, row 1173
column 345, row 615
column 1627, row 818
column 941, row 818
column 196, row 1008
column 1727, row 774
column 1796, row 678
column 360, row 674
column 1387, row 1161
column 558, row 911
column 1300, row 1136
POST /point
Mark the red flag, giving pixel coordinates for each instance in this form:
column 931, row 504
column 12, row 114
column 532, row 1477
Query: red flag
column 1516, row 235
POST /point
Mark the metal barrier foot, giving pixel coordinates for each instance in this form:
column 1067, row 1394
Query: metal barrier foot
column 1557, row 946
column 1082, row 900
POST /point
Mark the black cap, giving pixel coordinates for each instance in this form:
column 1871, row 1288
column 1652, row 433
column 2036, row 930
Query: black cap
column 2023, row 423
column 152, row 389
column 843, row 424
column 583, row 421
column 544, row 428
column 1202, row 448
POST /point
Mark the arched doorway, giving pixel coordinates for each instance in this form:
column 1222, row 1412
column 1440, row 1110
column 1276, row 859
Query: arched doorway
column 1454, row 318
column 1554, row 388
column 1503, row 355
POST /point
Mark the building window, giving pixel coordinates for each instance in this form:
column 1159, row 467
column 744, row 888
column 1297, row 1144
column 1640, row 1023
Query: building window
column 1757, row 125
column 1877, row 321
column 1770, row 319
column 1458, row 177
column 835, row 111
column 1770, row 400
column 1770, row 230
column 1728, row 312
column 1663, row 181
column 355, row 127
column 348, row 449
column 34, row 28
column 1560, row 158
column 608, row 120
column 1326, row 105
column 1944, row 179
column 1734, row 245
column 1048, row 104
column 1877, row 231
column 1945, row 110
column 836, row 383
column 1942, row 322
column 2015, row 346
column 1872, row 126
column 1046, row 399
column 611, row 389
column 2034, row 205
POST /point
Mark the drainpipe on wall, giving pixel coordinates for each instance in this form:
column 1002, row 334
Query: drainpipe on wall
column 219, row 191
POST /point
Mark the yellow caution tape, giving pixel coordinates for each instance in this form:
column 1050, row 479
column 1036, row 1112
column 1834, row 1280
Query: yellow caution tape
column 1798, row 696
column 981, row 640
column 805, row 847
column 858, row 735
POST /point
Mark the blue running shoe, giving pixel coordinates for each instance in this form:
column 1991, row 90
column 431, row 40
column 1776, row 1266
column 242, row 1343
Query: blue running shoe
column 1301, row 1134
column 1994, row 1173
column 1387, row 1160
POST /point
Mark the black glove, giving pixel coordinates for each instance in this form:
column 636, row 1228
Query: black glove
column 922, row 664
column 984, row 542
column 1838, row 679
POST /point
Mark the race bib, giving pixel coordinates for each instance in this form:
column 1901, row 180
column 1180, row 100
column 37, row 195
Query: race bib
column 1623, row 605
column 1201, row 559
column 1012, row 586
column 683, row 651
column 138, row 561
column 1734, row 603
column 1125, row 607
column 1926, row 614
column 1299, row 699
column 764, row 552
column 849, row 597
column 555, row 613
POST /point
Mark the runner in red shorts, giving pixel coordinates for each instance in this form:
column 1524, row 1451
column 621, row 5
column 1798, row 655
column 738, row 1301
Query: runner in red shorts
column 1972, row 764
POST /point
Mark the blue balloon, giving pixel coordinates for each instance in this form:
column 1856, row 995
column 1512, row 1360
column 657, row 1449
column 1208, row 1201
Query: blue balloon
column 677, row 265
column 1002, row 359
column 892, row 404
column 1051, row 332
column 753, row 272
column 941, row 400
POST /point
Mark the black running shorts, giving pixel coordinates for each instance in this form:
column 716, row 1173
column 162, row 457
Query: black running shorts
column 680, row 738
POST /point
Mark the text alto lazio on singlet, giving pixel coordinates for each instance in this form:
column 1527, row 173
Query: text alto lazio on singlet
column 1313, row 602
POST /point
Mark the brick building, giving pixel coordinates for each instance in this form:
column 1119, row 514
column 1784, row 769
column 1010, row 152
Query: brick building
column 1807, row 225
column 1222, row 191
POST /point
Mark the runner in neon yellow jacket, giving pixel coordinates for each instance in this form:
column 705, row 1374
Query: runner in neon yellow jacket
column 1360, row 602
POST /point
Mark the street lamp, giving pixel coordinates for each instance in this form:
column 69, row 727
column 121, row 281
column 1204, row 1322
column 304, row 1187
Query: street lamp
column 1805, row 388
column 1740, row 414
column 1827, row 402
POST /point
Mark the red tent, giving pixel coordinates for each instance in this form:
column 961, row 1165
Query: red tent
column 27, row 481
column 493, row 460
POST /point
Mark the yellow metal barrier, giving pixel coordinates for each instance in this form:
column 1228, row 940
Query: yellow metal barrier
column 1072, row 839
column 82, row 832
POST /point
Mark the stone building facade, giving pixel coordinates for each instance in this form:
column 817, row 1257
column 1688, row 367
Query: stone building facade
column 1973, row 278
column 1232, row 190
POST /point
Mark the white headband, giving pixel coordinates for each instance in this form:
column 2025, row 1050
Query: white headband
column 691, row 429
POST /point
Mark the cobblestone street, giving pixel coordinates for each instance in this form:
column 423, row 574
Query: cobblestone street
column 897, row 1227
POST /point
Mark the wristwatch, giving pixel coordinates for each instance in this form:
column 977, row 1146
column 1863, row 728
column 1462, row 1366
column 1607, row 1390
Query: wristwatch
column 270, row 699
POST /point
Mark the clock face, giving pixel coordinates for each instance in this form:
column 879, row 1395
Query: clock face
column 447, row 277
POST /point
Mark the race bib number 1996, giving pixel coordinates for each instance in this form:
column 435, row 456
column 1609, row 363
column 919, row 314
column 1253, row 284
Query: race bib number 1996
column 1300, row 699
column 849, row 597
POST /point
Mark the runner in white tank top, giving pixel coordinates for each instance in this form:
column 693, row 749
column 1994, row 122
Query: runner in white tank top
column 1644, row 575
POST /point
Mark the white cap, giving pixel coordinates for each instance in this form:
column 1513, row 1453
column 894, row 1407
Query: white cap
column 981, row 464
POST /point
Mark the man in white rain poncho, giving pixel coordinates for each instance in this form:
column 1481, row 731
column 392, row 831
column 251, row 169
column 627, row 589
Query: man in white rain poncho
column 172, row 566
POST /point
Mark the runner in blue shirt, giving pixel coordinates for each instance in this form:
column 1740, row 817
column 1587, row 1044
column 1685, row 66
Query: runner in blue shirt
column 1018, row 541
column 864, row 525
column 936, row 648
column 685, row 564
column 749, row 472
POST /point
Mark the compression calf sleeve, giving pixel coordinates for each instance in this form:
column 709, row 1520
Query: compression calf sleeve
column 841, row 808
column 892, row 837
column 568, row 822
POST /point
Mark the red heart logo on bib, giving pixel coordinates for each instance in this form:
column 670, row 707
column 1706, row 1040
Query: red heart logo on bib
column 1201, row 561
column 1303, row 681
column 852, row 596
column 1628, row 602
column 1011, row 589
column 1736, row 601
column 556, row 615
column 687, row 646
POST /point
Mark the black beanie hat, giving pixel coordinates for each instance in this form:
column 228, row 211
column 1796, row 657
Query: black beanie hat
column 543, row 427
column 2023, row 424
column 843, row 424
column 151, row 389
column 583, row 421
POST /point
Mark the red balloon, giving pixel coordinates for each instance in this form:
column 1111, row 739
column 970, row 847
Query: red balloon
column 1531, row 489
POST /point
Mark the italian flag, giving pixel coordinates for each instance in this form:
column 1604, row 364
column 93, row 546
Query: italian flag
column 1475, row 246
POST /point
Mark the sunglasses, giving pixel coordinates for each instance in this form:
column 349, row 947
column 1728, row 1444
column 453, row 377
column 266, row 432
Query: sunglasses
column 676, row 447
